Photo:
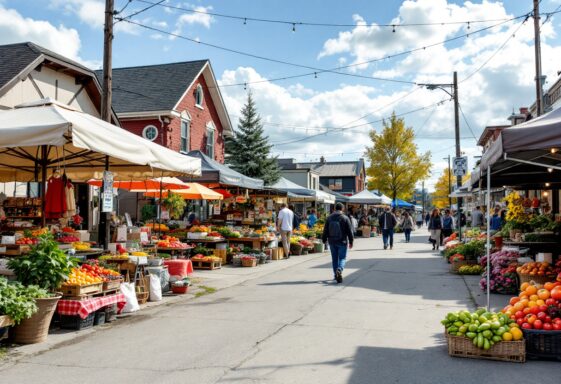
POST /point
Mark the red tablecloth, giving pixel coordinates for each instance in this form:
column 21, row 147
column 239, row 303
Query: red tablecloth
column 83, row 308
column 179, row 267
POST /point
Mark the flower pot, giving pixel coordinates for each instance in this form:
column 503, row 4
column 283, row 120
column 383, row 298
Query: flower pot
column 295, row 249
column 36, row 328
column 498, row 241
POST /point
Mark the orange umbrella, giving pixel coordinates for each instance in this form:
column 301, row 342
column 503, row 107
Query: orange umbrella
column 145, row 185
column 195, row 191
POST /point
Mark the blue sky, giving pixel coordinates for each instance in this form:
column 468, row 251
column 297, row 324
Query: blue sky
column 302, row 115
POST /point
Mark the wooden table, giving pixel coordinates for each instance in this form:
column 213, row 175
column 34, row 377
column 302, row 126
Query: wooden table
column 256, row 242
column 206, row 242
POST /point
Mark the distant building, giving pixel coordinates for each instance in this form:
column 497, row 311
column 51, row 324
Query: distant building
column 345, row 177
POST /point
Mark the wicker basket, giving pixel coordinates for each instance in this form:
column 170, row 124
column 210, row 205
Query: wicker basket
column 536, row 279
column 296, row 249
column 455, row 265
column 249, row 262
column 36, row 328
column 142, row 297
column 513, row 351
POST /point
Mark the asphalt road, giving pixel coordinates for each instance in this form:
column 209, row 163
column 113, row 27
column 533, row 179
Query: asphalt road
column 292, row 325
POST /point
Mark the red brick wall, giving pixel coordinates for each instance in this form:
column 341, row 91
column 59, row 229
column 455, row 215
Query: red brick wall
column 199, row 120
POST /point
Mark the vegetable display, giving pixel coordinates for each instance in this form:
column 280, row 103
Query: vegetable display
column 482, row 327
column 470, row 270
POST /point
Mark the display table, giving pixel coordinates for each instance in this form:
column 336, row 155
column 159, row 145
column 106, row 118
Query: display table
column 173, row 251
column 84, row 307
column 180, row 268
column 256, row 242
column 535, row 246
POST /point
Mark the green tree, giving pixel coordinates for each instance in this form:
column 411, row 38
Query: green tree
column 440, row 195
column 249, row 151
column 395, row 166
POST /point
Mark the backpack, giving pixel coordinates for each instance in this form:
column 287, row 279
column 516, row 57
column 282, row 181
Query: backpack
column 335, row 228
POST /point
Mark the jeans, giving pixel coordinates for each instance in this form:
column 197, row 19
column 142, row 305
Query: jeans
column 338, row 256
column 407, row 232
column 387, row 233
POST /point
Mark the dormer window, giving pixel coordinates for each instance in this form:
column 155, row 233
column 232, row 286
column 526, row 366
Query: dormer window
column 199, row 97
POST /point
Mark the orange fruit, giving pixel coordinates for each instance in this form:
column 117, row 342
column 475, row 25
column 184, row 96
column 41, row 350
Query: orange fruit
column 524, row 286
column 514, row 300
column 518, row 307
column 531, row 290
column 549, row 286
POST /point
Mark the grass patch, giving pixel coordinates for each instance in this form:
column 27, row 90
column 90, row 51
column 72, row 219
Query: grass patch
column 205, row 290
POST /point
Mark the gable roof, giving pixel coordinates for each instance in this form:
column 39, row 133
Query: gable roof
column 160, row 87
column 17, row 60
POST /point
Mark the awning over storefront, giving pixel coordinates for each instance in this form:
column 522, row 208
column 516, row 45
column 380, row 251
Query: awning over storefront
column 47, row 133
column 214, row 172
column 297, row 192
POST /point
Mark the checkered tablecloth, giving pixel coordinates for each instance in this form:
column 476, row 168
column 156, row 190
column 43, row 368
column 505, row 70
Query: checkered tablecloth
column 83, row 308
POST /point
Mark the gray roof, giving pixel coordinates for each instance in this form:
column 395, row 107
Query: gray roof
column 152, row 87
column 336, row 168
column 15, row 58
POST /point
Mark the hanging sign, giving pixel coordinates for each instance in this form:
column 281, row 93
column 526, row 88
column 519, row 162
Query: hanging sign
column 216, row 209
column 270, row 205
column 107, row 192
column 241, row 199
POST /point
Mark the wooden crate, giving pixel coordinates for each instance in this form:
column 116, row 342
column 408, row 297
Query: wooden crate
column 16, row 249
column 275, row 254
column 222, row 253
column 112, row 285
column 81, row 290
column 512, row 351
column 210, row 265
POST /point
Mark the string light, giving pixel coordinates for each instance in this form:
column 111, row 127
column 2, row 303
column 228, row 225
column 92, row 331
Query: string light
column 293, row 27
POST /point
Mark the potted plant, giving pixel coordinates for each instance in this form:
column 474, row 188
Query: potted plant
column 18, row 302
column 175, row 204
column 47, row 267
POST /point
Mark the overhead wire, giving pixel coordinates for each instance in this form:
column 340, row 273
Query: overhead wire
column 128, row 2
column 467, row 123
column 128, row 17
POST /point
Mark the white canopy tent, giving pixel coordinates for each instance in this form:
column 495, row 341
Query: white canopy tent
column 47, row 135
column 365, row 197
column 297, row 192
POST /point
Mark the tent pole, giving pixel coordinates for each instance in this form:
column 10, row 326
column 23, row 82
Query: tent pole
column 43, row 185
column 488, row 238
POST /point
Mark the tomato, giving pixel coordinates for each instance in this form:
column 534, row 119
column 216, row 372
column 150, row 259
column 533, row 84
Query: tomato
column 531, row 319
column 520, row 321
column 534, row 310
column 556, row 327
column 556, row 293
column 538, row 324
column 541, row 316
column 526, row 310
column 519, row 314
column 547, row 327
column 550, row 301
column 542, row 308
column 547, row 319
column 527, row 326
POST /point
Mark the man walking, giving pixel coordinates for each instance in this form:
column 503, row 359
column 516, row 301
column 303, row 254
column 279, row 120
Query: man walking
column 339, row 233
column 477, row 217
column 284, row 226
column 387, row 224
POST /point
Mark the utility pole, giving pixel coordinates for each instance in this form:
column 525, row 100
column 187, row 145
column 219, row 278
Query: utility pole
column 423, row 195
column 538, row 54
column 449, row 183
column 103, row 228
column 458, row 150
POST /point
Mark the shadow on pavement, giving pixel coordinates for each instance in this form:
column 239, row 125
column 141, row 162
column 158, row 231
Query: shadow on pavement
column 302, row 282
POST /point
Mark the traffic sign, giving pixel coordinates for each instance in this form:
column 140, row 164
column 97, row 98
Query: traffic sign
column 460, row 166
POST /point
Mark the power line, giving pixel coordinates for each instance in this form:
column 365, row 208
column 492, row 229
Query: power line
column 126, row 18
column 426, row 120
column 315, row 70
column 124, row 7
column 467, row 123
column 294, row 23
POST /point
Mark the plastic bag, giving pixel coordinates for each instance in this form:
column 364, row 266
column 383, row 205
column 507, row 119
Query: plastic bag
column 155, row 288
column 131, row 305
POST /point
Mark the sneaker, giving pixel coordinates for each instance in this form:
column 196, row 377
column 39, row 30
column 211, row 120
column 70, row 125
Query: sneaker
column 385, row 246
column 339, row 276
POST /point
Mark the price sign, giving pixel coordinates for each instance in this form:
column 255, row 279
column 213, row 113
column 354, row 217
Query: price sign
column 107, row 192
column 460, row 166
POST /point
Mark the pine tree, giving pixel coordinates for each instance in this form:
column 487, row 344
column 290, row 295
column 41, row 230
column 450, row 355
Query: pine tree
column 249, row 151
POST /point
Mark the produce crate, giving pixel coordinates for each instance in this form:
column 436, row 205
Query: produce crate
column 524, row 278
column 542, row 344
column 222, row 253
column 110, row 313
column 513, row 351
column 76, row 322
column 81, row 290
column 16, row 249
column 455, row 265
column 275, row 254
column 112, row 285
column 99, row 318
column 210, row 265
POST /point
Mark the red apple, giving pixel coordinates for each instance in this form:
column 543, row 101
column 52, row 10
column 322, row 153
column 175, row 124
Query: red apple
column 538, row 324
column 547, row 327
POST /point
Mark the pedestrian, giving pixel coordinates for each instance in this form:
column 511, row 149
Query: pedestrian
column 496, row 220
column 339, row 234
column 354, row 223
column 447, row 224
column 296, row 218
column 427, row 218
column 435, row 227
column 477, row 217
column 407, row 225
column 284, row 226
column 419, row 219
column 387, row 222
column 312, row 218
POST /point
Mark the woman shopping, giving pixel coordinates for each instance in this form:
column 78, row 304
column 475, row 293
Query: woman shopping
column 435, row 228
column 407, row 225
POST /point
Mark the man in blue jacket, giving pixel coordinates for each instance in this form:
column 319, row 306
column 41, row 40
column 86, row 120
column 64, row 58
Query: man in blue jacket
column 338, row 231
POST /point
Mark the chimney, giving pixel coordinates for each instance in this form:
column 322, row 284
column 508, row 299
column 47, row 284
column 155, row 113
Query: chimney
column 322, row 160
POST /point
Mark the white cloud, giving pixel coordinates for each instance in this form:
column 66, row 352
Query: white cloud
column 200, row 17
column 15, row 28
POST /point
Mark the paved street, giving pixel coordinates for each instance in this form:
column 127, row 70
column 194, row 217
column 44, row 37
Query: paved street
column 292, row 325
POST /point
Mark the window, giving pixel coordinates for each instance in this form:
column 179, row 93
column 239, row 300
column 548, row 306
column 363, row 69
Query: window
column 210, row 130
column 150, row 132
column 199, row 97
column 185, row 131
column 336, row 184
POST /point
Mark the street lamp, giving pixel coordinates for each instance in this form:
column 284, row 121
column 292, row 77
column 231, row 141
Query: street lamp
column 453, row 92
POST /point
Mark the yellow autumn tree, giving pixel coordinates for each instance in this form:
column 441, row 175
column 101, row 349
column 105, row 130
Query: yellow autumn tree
column 440, row 195
column 395, row 164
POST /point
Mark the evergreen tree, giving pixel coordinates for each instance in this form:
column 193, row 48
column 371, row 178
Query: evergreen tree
column 248, row 151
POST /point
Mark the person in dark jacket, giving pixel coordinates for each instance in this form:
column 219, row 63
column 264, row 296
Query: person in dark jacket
column 435, row 227
column 339, row 233
column 387, row 222
column 447, row 224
